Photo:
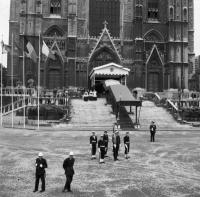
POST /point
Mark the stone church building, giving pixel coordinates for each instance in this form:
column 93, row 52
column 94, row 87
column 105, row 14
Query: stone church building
column 153, row 39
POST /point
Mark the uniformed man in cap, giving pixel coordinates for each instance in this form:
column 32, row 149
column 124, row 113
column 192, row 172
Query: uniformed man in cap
column 93, row 145
column 126, row 144
column 101, row 148
column 106, row 140
column 68, row 166
column 40, row 164
column 152, row 129
column 116, row 144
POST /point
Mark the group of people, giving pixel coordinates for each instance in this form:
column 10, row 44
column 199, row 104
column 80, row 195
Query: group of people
column 40, row 173
column 102, row 145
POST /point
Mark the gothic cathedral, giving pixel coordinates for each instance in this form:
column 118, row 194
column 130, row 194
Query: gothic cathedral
column 152, row 38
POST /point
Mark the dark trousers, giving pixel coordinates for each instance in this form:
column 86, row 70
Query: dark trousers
column 115, row 152
column 94, row 149
column 102, row 153
column 127, row 149
column 37, row 178
column 152, row 136
column 106, row 148
column 68, row 182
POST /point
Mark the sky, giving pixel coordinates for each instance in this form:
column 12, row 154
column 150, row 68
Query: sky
column 4, row 25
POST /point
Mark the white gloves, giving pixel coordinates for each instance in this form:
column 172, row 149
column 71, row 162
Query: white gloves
column 41, row 165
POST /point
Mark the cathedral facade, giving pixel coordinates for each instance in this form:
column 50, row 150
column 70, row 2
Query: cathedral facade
column 152, row 38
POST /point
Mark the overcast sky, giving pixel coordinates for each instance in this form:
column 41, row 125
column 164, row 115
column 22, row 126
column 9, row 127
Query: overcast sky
column 4, row 25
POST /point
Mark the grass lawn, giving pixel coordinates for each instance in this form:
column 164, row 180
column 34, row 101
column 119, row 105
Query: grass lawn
column 170, row 167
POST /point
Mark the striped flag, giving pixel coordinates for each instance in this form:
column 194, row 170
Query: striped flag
column 31, row 52
column 5, row 48
column 47, row 52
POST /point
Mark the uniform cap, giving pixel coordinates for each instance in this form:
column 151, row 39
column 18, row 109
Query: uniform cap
column 71, row 153
column 116, row 131
column 40, row 154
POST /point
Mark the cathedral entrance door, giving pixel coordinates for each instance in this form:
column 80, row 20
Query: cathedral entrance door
column 153, row 82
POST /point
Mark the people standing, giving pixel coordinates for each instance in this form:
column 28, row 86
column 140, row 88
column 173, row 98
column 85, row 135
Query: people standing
column 101, row 148
column 152, row 131
column 106, row 140
column 68, row 166
column 126, row 145
column 40, row 164
column 116, row 144
column 93, row 145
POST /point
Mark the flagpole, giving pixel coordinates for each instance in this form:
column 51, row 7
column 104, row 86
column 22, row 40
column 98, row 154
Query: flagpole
column 39, row 86
column 24, row 89
column 12, row 81
column 1, row 84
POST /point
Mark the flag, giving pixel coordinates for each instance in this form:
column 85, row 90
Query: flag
column 5, row 48
column 31, row 52
column 47, row 52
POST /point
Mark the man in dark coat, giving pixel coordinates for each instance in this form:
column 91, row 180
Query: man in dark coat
column 101, row 148
column 106, row 140
column 152, row 129
column 116, row 144
column 93, row 145
column 126, row 144
column 68, row 166
column 40, row 164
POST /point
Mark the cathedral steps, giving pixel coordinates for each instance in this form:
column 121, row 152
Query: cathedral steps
column 163, row 119
column 91, row 114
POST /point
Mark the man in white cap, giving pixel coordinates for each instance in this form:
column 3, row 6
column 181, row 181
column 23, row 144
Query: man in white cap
column 40, row 164
column 93, row 145
column 68, row 166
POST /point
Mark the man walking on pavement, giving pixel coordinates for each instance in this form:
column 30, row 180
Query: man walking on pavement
column 152, row 131
column 93, row 145
column 40, row 164
column 106, row 140
column 68, row 166
column 126, row 144
column 116, row 144
column 101, row 148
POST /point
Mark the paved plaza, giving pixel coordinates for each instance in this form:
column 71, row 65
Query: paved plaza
column 167, row 168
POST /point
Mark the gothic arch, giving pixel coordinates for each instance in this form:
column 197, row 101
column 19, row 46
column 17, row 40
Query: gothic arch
column 153, row 35
column 54, row 30
column 102, row 56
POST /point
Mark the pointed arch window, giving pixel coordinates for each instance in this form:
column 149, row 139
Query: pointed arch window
column 171, row 13
column 55, row 7
column 185, row 15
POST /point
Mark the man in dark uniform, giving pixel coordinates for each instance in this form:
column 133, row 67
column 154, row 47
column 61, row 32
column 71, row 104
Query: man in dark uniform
column 69, row 171
column 40, row 164
column 93, row 145
column 126, row 144
column 116, row 144
column 106, row 140
column 101, row 148
column 152, row 131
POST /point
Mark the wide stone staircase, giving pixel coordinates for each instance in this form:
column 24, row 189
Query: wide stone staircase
column 92, row 115
column 163, row 119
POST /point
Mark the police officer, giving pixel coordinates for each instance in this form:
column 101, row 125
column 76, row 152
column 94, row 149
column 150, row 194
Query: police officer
column 126, row 144
column 106, row 140
column 93, row 145
column 101, row 148
column 68, row 166
column 152, row 129
column 40, row 164
column 116, row 144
